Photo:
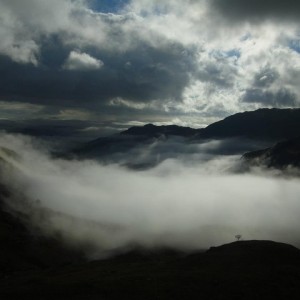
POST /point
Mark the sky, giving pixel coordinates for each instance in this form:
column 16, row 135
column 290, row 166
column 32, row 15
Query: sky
column 93, row 67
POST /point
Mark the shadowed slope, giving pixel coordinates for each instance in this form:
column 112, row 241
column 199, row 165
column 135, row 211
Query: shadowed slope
column 281, row 155
column 241, row 270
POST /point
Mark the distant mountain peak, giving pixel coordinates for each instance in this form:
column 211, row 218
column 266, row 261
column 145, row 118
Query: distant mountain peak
column 273, row 124
column 154, row 130
column 266, row 126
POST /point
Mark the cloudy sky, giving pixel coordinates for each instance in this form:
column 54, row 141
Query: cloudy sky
column 75, row 67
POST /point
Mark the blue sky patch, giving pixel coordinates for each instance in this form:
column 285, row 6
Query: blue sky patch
column 108, row 6
column 233, row 52
column 230, row 53
column 294, row 45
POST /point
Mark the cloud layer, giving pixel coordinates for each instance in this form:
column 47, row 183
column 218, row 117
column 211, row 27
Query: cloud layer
column 108, row 208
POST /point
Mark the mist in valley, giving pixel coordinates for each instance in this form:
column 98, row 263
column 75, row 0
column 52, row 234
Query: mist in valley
column 192, row 201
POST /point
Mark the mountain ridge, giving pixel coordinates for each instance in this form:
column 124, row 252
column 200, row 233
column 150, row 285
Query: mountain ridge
column 156, row 131
column 273, row 123
column 264, row 125
column 282, row 155
column 267, row 123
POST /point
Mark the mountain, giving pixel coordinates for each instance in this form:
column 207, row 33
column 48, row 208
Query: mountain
column 23, row 249
column 281, row 155
column 133, row 137
column 138, row 147
column 142, row 147
column 271, row 124
column 151, row 130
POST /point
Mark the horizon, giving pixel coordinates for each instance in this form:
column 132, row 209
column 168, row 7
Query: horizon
column 90, row 137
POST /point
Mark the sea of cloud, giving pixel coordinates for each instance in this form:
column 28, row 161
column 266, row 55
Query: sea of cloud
column 104, row 209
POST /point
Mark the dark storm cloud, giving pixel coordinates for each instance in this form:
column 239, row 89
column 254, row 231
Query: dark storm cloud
column 59, row 135
column 218, row 73
column 280, row 98
column 258, row 10
column 45, row 128
column 142, row 74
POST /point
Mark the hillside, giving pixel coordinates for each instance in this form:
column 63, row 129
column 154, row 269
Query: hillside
column 25, row 249
column 281, row 155
column 271, row 124
column 241, row 270
column 132, row 138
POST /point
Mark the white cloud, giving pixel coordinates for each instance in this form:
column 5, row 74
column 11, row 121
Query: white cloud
column 22, row 23
column 15, row 41
column 221, row 78
column 82, row 61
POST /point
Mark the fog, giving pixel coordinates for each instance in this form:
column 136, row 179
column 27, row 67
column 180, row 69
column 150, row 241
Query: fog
column 187, row 206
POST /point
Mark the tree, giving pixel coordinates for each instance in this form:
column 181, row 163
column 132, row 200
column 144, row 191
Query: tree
column 238, row 236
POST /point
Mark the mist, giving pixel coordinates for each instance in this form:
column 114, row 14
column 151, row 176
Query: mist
column 104, row 209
